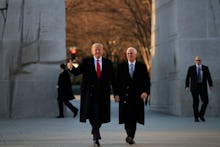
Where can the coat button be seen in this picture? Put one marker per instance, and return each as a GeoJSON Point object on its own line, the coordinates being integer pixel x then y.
{"type": "Point", "coordinates": [126, 94]}
{"type": "Point", "coordinates": [125, 102]}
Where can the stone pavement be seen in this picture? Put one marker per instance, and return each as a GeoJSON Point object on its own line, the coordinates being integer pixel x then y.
{"type": "Point", "coordinates": [160, 130]}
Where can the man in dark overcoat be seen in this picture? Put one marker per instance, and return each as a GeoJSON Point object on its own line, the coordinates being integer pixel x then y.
{"type": "Point", "coordinates": [133, 89]}
{"type": "Point", "coordinates": [97, 78]}
{"type": "Point", "coordinates": [65, 92]}
{"type": "Point", "coordinates": [197, 77]}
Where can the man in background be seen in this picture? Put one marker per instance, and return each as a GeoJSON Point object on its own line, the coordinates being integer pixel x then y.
{"type": "Point", "coordinates": [65, 93]}
{"type": "Point", "coordinates": [197, 77]}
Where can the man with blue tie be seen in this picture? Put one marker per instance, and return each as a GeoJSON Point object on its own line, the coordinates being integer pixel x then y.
{"type": "Point", "coordinates": [197, 77]}
{"type": "Point", "coordinates": [97, 79]}
{"type": "Point", "coordinates": [133, 84]}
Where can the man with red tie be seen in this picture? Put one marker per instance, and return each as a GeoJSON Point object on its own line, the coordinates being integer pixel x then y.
{"type": "Point", "coordinates": [197, 77]}
{"type": "Point", "coordinates": [97, 78]}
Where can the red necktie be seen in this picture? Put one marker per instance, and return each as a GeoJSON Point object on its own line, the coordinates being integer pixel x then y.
{"type": "Point", "coordinates": [98, 69]}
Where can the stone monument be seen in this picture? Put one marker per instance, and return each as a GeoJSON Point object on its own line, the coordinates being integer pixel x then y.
{"type": "Point", "coordinates": [32, 44]}
{"type": "Point", "coordinates": [182, 29]}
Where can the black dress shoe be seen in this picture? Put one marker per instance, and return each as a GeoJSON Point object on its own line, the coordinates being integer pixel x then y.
{"type": "Point", "coordinates": [129, 140]}
{"type": "Point", "coordinates": [96, 143]}
{"type": "Point", "coordinates": [196, 120]}
{"type": "Point", "coordinates": [202, 118]}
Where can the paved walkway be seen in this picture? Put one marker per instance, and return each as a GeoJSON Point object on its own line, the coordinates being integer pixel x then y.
{"type": "Point", "coordinates": [160, 130]}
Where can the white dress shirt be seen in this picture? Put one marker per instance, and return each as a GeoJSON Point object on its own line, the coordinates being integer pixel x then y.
{"type": "Point", "coordinates": [100, 62]}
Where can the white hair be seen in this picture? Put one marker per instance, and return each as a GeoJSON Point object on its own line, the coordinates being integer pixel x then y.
{"type": "Point", "coordinates": [132, 48]}
{"type": "Point", "coordinates": [97, 44]}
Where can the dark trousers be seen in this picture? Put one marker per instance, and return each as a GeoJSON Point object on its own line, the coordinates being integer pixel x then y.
{"type": "Point", "coordinates": [68, 104]}
{"type": "Point", "coordinates": [130, 130]}
{"type": "Point", "coordinates": [94, 119]}
{"type": "Point", "coordinates": [130, 125]}
{"type": "Point", "coordinates": [203, 94]}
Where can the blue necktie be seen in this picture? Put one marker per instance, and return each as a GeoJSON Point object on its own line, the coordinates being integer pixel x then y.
{"type": "Point", "coordinates": [131, 71]}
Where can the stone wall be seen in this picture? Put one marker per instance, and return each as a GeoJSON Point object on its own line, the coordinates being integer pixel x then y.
{"type": "Point", "coordinates": [182, 29]}
{"type": "Point", "coordinates": [32, 44]}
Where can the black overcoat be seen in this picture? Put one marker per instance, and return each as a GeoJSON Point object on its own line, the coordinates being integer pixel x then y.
{"type": "Point", "coordinates": [88, 87]}
{"type": "Point", "coordinates": [64, 86]}
{"type": "Point", "coordinates": [130, 90]}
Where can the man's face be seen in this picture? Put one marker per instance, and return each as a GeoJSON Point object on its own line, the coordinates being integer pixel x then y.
{"type": "Point", "coordinates": [97, 51]}
{"type": "Point", "coordinates": [131, 55]}
{"type": "Point", "coordinates": [198, 60]}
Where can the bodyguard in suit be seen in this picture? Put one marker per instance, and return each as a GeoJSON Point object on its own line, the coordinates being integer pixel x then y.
{"type": "Point", "coordinates": [97, 78]}
{"type": "Point", "coordinates": [65, 93]}
{"type": "Point", "coordinates": [133, 89]}
{"type": "Point", "coordinates": [197, 77]}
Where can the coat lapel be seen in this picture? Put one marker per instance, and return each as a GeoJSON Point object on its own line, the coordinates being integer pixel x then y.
{"type": "Point", "coordinates": [103, 67]}
{"type": "Point", "coordinates": [195, 70]}
{"type": "Point", "coordinates": [92, 66]}
{"type": "Point", "coordinates": [127, 71]}
{"type": "Point", "coordinates": [135, 69]}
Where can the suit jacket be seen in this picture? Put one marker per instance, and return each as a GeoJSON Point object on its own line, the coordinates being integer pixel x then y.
{"type": "Point", "coordinates": [64, 86]}
{"type": "Point", "coordinates": [191, 78]}
{"type": "Point", "coordinates": [89, 87]}
{"type": "Point", "coordinates": [130, 90]}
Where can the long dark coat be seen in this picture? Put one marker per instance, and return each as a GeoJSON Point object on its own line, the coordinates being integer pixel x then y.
{"type": "Point", "coordinates": [191, 78]}
{"type": "Point", "coordinates": [64, 86]}
{"type": "Point", "coordinates": [88, 87]}
{"type": "Point", "coordinates": [130, 90]}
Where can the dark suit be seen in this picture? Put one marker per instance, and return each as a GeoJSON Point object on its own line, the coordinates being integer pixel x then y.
{"type": "Point", "coordinates": [198, 88]}
{"type": "Point", "coordinates": [131, 106]}
{"type": "Point", "coordinates": [65, 92]}
{"type": "Point", "coordinates": [95, 93]}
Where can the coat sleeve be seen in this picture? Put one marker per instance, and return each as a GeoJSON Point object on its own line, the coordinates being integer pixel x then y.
{"type": "Point", "coordinates": [148, 84]}
{"type": "Point", "coordinates": [209, 78]}
{"type": "Point", "coordinates": [146, 78]}
{"type": "Point", "coordinates": [187, 78]}
{"type": "Point", "coordinates": [119, 79]}
{"type": "Point", "coordinates": [113, 80]}
{"type": "Point", "coordinates": [78, 70]}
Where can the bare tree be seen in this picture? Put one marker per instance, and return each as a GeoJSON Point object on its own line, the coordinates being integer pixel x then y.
{"type": "Point", "coordinates": [118, 24]}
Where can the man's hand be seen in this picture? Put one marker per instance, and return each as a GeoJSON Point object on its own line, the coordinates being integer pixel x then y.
{"type": "Point", "coordinates": [69, 65]}
{"type": "Point", "coordinates": [144, 95]}
{"type": "Point", "coordinates": [187, 89]}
